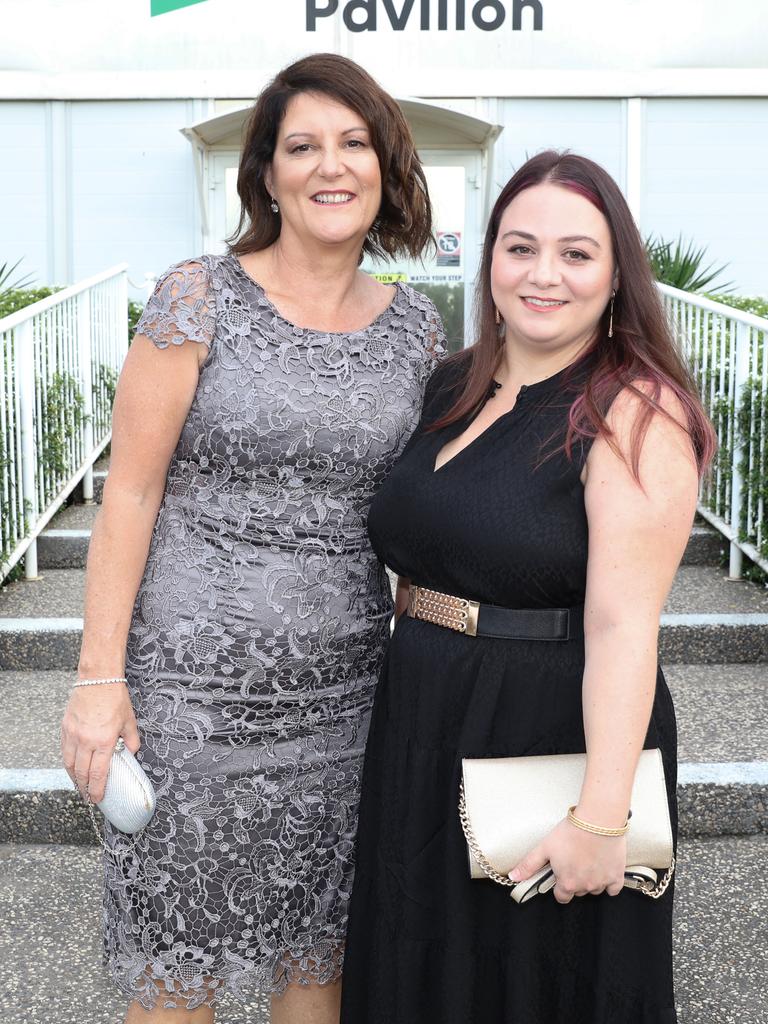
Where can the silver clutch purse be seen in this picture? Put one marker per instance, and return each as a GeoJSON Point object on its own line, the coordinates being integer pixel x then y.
{"type": "Point", "coordinates": [507, 805]}
{"type": "Point", "coordinates": [129, 798]}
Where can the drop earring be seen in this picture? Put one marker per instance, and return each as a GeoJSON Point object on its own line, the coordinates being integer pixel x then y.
{"type": "Point", "coordinates": [610, 324]}
{"type": "Point", "coordinates": [274, 206]}
{"type": "Point", "coordinates": [498, 317]}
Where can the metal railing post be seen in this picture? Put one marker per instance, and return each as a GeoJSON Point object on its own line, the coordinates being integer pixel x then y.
{"type": "Point", "coordinates": [741, 375]}
{"type": "Point", "coordinates": [25, 367]}
{"type": "Point", "coordinates": [122, 312]}
{"type": "Point", "coordinates": [86, 376]}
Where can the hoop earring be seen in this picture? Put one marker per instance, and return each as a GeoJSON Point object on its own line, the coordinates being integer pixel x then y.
{"type": "Point", "coordinates": [274, 206]}
{"type": "Point", "coordinates": [610, 324]}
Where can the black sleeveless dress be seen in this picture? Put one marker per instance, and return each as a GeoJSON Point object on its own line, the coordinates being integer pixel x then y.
{"type": "Point", "coordinates": [426, 945]}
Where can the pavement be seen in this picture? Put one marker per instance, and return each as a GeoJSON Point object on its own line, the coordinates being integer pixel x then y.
{"type": "Point", "coordinates": [50, 944]}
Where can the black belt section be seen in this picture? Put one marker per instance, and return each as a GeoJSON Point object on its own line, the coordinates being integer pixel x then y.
{"type": "Point", "coordinates": [557, 624]}
{"type": "Point", "coordinates": [530, 623]}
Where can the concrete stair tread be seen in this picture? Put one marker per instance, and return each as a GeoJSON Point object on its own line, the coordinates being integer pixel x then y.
{"type": "Point", "coordinates": [696, 590]}
{"type": "Point", "coordinates": [31, 707]}
{"type": "Point", "coordinates": [699, 589]}
{"type": "Point", "coordinates": [74, 517]}
{"type": "Point", "coordinates": [55, 974]}
{"type": "Point", "coordinates": [58, 593]}
{"type": "Point", "coordinates": [722, 714]}
{"type": "Point", "coordinates": [721, 710]}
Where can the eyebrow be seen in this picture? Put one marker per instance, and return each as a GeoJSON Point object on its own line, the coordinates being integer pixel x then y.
{"type": "Point", "coordinates": [566, 238]}
{"type": "Point", "coordinates": [311, 135]}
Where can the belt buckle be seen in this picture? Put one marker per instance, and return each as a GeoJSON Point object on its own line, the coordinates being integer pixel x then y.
{"type": "Point", "coordinates": [473, 612]}
{"type": "Point", "coordinates": [457, 613]}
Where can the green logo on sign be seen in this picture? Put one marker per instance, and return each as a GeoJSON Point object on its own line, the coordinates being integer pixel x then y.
{"type": "Point", "coordinates": [164, 6]}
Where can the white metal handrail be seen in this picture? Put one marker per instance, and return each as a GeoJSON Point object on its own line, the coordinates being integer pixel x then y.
{"type": "Point", "coordinates": [71, 346]}
{"type": "Point", "coordinates": [727, 351]}
{"type": "Point", "coordinates": [59, 362]}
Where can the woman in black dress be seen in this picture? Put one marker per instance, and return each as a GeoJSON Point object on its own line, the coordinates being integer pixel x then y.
{"type": "Point", "coordinates": [555, 466]}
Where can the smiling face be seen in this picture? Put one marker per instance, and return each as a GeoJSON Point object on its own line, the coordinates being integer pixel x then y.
{"type": "Point", "coordinates": [325, 173]}
{"type": "Point", "coordinates": [552, 272]}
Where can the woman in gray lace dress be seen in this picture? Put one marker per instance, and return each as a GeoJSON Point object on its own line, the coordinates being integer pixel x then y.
{"type": "Point", "coordinates": [266, 395]}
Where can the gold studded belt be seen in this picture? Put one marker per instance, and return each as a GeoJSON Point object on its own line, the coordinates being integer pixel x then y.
{"type": "Point", "coordinates": [475, 619]}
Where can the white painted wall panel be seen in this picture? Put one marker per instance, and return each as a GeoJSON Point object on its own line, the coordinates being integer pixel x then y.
{"type": "Point", "coordinates": [592, 128]}
{"type": "Point", "coordinates": [23, 196]}
{"type": "Point", "coordinates": [131, 191]}
{"type": "Point", "coordinates": [707, 177]}
{"type": "Point", "coordinates": [133, 186]}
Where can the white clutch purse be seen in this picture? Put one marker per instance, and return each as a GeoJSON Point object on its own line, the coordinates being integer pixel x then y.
{"type": "Point", "coordinates": [129, 799]}
{"type": "Point", "coordinates": [508, 805]}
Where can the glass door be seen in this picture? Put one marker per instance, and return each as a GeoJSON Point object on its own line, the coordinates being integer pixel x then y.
{"type": "Point", "coordinates": [223, 200]}
{"type": "Point", "coordinates": [447, 275]}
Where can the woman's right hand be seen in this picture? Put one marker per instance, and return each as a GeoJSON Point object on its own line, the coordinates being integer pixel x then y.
{"type": "Point", "coordinates": [95, 717]}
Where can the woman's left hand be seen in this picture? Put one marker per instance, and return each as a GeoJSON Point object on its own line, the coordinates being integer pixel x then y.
{"type": "Point", "coordinates": [581, 862]}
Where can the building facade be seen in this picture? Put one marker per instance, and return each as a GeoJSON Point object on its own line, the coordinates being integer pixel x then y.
{"type": "Point", "coordinates": [120, 128]}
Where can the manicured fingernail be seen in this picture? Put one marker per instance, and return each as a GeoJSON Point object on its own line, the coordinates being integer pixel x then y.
{"type": "Point", "coordinates": [515, 875]}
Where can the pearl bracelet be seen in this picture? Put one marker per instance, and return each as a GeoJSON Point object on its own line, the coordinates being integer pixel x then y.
{"type": "Point", "coordinates": [95, 682]}
{"type": "Point", "coordinates": [598, 830]}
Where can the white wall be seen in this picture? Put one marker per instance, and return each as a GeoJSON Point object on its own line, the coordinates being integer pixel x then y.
{"type": "Point", "coordinates": [706, 175]}
{"type": "Point", "coordinates": [592, 128]}
{"type": "Point", "coordinates": [23, 188]}
{"type": "Point", "coordinates": [133, 187]}
{"type": "Point", "coordinates": [84, 185]}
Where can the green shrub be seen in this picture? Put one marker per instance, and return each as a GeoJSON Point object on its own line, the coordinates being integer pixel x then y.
{"type": "Point", "coordinates": [135, 309]}
{"type": "Point", "coordinates": [15, 299]}
{"type": "Point", "coordinates": [747, 304]}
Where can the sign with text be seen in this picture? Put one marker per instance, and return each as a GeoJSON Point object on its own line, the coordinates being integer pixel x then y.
{"type": "Point", "coordinates": [414, 47]}
{"type": "Point", "coordinates": [428, 15]}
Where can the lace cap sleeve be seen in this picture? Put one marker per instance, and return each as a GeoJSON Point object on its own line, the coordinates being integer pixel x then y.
{"type": "Point", "coordinates": [181, 308]}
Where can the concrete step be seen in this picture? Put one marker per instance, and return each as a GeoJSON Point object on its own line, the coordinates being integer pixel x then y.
{"type": "Point", "coordinates": [100, 470]}
{"type": "Point", "coordinates": [705, 546]}
{"type": "Point", "coordinates": [721, 710]}
{"type": "Point", "coordinates": [41, 621]}
{"type": "Point", "coordinates": [64, 545]}
{"type": "Point", "coordinates": [707, 620]}
{"type": "Point", "coordinates": [51, 943]}
{"type": "Point", "coordinates": [722, 715]}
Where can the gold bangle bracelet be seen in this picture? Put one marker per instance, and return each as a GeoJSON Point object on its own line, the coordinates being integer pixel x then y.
{"type": "Point", "coordinates": [598, 830]}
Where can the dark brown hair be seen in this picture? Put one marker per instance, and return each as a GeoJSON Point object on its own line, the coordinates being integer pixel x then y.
{"type": "Point", "coordinates": [641, 349]}
{"type": "Point", "coordinates": [404, 221]}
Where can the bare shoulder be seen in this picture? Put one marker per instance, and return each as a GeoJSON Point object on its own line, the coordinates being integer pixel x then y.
{"type": "Point", "coordinates": [661, 430]}
{"type": "Point", "coordinates": [631, 402]}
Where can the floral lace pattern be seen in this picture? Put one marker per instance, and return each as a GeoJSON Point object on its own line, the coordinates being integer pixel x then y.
{"type": "Point", "coordinates": [257, 638]}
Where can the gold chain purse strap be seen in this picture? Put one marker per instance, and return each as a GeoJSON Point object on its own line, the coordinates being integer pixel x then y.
{"type": "Point", "coordinates": [474, 846]}
{"type": "Point", "coordinates": [646, 888]}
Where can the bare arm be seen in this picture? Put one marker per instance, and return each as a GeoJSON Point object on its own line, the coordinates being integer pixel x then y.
{"type": "Point", "coordinates": [636, 540]}
{"type": "Point", "coordinates": [637, 535]}
{"type": "Point", "coordinates": [154, 394]}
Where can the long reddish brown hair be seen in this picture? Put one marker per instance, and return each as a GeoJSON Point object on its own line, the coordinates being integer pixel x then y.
{"type": "Point", "coordinates": [641, 349]}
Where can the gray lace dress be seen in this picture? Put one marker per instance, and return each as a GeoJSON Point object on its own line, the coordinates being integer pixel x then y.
{"type": "Point", "coordinates": [257, 637]}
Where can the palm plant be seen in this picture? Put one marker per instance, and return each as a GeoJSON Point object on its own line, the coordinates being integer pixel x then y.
{"type": "Point", "coordinates": [6, 285]}
{"type": "Point", "coordinates": [681, 265]}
